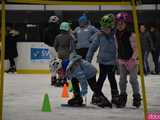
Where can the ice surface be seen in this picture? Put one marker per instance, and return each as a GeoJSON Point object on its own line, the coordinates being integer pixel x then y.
{"type": "Point", "coordinates": [24, 96]}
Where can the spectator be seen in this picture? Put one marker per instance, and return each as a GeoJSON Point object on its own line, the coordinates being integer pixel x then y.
{"type": "Point", "coordinates": [156, 43]}
{"type": "Point", "coordinates": [11, 47]}
{"type": "Point", "coordinates": [147, 46]}
{"type": "Point", "coordinates": [50, 32]}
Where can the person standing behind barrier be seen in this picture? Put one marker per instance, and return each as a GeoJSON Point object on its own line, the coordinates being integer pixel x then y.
{"type": "Point", "coordinates": [83, 34]}
{"type": "Point", "coordinates": [147, 46]}
{"type": "Point", "coordinates": [11, 47]}
{"type": "Point", "coordinates": [107, 55]}
{"type": "Point", "coordinates": [158, 48]}
{"type": "Point", "coordinates": [127, 59]}
{"type": "Point", "coordinates": [156, 43]}
{"type": "Point", "coordinates": [64, 45]}
{"type": "Point", "coordinates": [50, 32]}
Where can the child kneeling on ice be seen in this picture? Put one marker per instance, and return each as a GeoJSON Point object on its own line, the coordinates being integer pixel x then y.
{"type": "Point", "coordinates": [83, 72]}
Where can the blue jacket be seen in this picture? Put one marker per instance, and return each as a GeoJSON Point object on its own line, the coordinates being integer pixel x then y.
{"type": "Point", "coordinates": [83, 72]}
{"type": "Point", "coordinates": [107, 54]}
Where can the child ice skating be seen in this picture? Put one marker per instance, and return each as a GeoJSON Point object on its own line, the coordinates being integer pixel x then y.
{"type": "Point", "coordinates": [64, 45]}
{"type": "Point", "coordinates": [127, 58]}
{"type": "Point", "coordinates": [55, 65]}
{"type": "Point", "coordinates": [105, 41]}
{"type": "Point", "coordinates": [84, 72]}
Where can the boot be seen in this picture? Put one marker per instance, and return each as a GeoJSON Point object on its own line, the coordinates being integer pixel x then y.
{"type": "Point", "coordinates": [11, 70]}
{"type": "Point", "coordinates": [59, 83]}
{"type": "Point", "coordinates": [137, 100]}
{"type": "Point", "coordinates": [101, 101]}
{"type": "Point", "coordinates": [115, 97]}
{"type": "Point", "coordinates": [95, 99]}
{"type": "Point", "coordinates": [115, 100]}
{"type": "Point", "coordinates": [122, 100]}
{"type": "Point", "coordinates": [104, 102]}
{"type": "Point", "coordinates": [53, 80]}
{"type": "Point", "coordinates": [75, 101]}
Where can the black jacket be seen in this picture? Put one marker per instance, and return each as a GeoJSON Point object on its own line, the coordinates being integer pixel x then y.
{"type": "Point", "coordinates": [125, 50]}
{"type": "Point", "coordinates": [11, 44]}
{"type": "Point", "coordinates": [50, 33]}
{"type": "Point", "coordinates": [146, 42]}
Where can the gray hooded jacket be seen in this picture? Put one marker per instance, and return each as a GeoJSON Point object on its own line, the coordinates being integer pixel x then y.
{"type": "Point", "coordinates": [83, 36]}
{"type": "Point", "coordinates": [107, 54]}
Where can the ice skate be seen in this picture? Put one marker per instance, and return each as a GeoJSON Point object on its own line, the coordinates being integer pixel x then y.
{"type": "Point", "coordinates": [95, 99]}
{"type": "Point", "coordinates": [122, 100]}
{"type": "Point", "coordinates": [11, 70]}
{"type": "Point", "coordinates": [104, 102]}
{"type": "Point", "coordinates": [115, 100]}
{"type": "Point", "coordinates": [137, 100]}
{"type": "Point", "coordinates": [53, 80]}
{"type": "Point", "coordinates": [76, 101]}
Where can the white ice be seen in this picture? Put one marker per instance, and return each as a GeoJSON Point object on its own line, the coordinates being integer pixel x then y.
{"type": "Point", "coordinates": [23, 98]}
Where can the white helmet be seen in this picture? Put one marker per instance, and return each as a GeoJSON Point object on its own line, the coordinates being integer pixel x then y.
{"type": "Point", "coordinates": [55, 64]}
{"type": "Point", "coordinates": [53, 19]}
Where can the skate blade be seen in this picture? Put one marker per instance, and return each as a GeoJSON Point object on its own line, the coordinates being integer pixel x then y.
{"type": "Point", "coordinates": [67, 105]}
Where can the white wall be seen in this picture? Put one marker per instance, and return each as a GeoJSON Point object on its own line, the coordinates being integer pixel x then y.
{"type": "Point", "coordinates": [24, 62]}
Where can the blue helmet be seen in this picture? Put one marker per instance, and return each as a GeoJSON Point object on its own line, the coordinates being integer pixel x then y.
{"type": "Point", "coordinates": [83, 19]}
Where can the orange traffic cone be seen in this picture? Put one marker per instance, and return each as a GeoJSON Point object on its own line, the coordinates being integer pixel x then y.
{"type": "Point", "coordinates": [65, 91]}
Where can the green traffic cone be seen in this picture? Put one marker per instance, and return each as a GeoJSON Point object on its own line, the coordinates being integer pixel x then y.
{"type": "Point", "coordinates": [46, 104]}
{"type": "Point", "coordinates": [70, 87]}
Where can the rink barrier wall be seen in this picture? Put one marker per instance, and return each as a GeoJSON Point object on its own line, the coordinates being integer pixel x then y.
{"type": "Point", "coordinates": [23, 71]}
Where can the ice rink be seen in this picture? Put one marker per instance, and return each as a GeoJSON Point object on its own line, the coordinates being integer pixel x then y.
{"type": "Point", "coordinates": [23, 98]}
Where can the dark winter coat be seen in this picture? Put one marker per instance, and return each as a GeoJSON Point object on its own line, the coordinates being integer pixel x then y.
{"type": "Point", "coordinates": [146, 42]}
{"type": "Point", "coordinates": [11, 44]}
{"type": "Point", "coordinates": [50, 33]}
{"type": "Point", "coordinates": [157, 43]}
{"type": "Point", "coordinates": [125, 50]}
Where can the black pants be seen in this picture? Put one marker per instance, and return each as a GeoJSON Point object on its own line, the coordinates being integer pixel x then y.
{"type": "Point", "coordinates": [91, 82]}
{"type": "Point", "coordinates": [12, 62]}
{"type": "Point", "coordinates": [155, 55]}
{"type": "Point", "coordinates": [110, 71]}
{"type": "Point", "coordinates": [82, 52]}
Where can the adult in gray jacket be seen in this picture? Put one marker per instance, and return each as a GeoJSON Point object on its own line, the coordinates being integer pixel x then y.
{"type": "Point", "coordinates": [105, 40]}
{"type": "Point", "coordinates": [83, 34]}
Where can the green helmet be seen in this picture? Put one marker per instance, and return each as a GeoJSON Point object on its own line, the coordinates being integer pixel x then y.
{"type": "Point", "coordinates": [107, 21]}
{"type": "Point", "coordinates": [65, 26]}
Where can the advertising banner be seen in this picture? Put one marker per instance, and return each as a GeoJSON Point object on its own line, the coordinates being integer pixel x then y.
{"type": "Point", "coordinates": [40, 54]}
